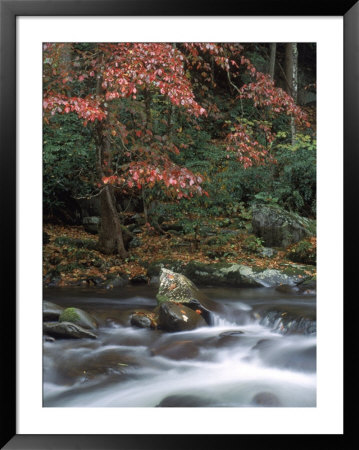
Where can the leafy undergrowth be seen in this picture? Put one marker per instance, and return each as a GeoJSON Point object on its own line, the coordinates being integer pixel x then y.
{"type": "Point", "coordinates": [71, 255]}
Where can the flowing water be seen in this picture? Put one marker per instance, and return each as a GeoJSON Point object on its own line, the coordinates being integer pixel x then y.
{"type": "Point", "coordinates": [260, 351]}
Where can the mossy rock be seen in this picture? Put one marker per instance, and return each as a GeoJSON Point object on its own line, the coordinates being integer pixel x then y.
{"type": "Point", "coordinates": [176, 287]}
{"type": "Point", "coordinates": [215, 274]}
{"type": "Point", "coordinates": [78, 317]}
{"type": "Point", "coordinates": [221, 274]}
{"type": "Point", "coordinates": [278, 227]}
{"type": "Point", "coordinates": [240, 275]}
{"type": "Point", "coordinates": [162, 298]}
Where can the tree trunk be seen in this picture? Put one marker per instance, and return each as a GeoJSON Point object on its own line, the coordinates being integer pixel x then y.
{"type": "Point", "coordinates": [294, 88]}
{"type": "Point", "coordinates": [295, 72]}
{"type": "Point", "coordinates": [110, 233]}
{"type": "Point", "coordinates": [65, 56]}
{"type": "Point", "coordinates": [273, 50]}
{"type": "Point", "coordinates": [288, 68]}
{"type": "Point", "coordinates": [291, 72]}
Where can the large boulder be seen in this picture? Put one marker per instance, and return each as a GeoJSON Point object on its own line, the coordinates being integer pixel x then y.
{"type": "Point", "coordinates": [66, 330]}
{"type": "Point", "coordinates": [278, 227]}
{"type": "Point", "coordinates": [176, 287]}
{"type": "Point", "coordinates": [176, 317]}
{"type": "Point", "coordinates": [217, 274]}
{"type": "Point", "coordinates": [240, 275]}
{"type": "Point", "coordinates": [78, 317]}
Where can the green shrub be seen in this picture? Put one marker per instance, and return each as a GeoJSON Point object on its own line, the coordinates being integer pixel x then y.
{"type": "Point", "coordinates": [252, 244]}
{"type": "Point", "coordinates": [304, 251]}
{"type": "Point", "coordinates": [68, 162]}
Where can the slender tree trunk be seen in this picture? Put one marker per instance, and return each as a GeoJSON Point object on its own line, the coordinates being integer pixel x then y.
{"type": "Point", "coordinates": [288, 68]}
{"type": "Point", "coordinates": [295, 73]}
{"type": "Point", "coordinates": [291, 71]}
{"type": "Point", "coordinates": [294, 88]}
{"type": "Point", "coordinates": [273, 51]}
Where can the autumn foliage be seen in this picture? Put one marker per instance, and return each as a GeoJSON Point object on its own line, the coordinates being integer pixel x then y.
{"type": "Point", "coordinates": [93, 81]}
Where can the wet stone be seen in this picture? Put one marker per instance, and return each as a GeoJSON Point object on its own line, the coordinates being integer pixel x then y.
{"type": "Point", "coordinates": [50, 311]}
{"type": "Point", "coordinates": [177, 350]}
{"type": "Point", "coordinates": [66, 330]}
{"type": "Point", "coordinates": [227, 338]}
{"type": "Point", "coordinates": [265, 399]}
{"type": "Point", "coordinates": [115, 283]}
{"type": "Point", "coordinates": [90, 365]}
{"type": "Point", "coordinates": [184, 401]}
{"type": "Point", "coordinates": [175, 317]}
{"type": "Point", "coordinates": [78, 317]}
{"type": "Point", "coordinates": [140, 321]}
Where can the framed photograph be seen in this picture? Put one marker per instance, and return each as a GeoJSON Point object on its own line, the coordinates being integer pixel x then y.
{"type": "Point", "coordinates": [173, 188]}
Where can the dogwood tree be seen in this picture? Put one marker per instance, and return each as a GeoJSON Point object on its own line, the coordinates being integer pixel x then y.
{"type": "Point", "coordinates": [111, 86]}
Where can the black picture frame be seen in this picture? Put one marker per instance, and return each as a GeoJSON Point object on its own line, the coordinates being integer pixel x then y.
{"type": "Point", "coordinates": [9, 10]}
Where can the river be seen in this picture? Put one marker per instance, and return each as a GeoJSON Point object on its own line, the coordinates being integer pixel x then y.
{"type": "Point", "coordinates": [260, 351]}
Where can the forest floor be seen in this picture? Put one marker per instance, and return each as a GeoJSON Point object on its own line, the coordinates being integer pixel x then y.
{"type": "Point", "coordinates": [71, 255]}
